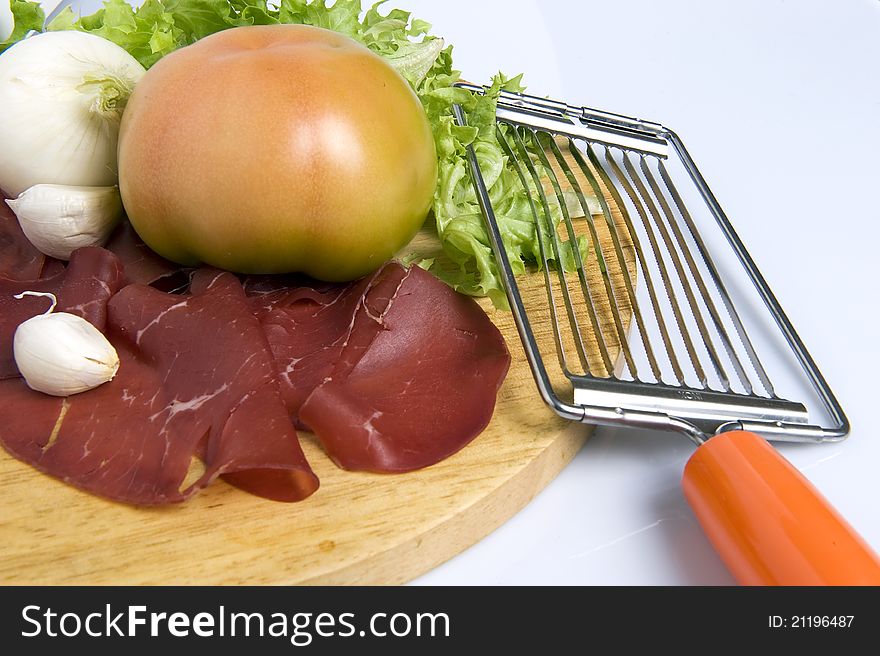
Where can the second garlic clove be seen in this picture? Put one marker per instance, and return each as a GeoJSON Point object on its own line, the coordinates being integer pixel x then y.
{"type": "Point", "coordinates": [58, 219]}
{"type": "Point", "coordinates": [62, 354]}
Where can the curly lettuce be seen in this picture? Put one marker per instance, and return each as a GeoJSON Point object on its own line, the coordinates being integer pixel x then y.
{"type": "Point", "coordinates": [26, 16]}
{"type": "Point", "coordinates": [158, 27]}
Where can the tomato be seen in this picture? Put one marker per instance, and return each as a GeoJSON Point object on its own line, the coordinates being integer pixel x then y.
{"type": "Point", "coordinates": [271, 149]}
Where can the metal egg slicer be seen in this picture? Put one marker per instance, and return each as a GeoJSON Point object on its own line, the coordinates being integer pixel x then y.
{"type": "Point", "coordinates": [655, 327]}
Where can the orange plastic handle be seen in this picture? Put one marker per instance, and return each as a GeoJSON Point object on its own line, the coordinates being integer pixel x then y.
{"type": "Point", "coordinates": [768, 523]}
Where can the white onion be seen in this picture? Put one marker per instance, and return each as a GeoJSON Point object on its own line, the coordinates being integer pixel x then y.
{"type": "Point", "coordinates": [62, 95]}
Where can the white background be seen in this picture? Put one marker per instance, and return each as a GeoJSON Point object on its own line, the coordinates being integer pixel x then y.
{"type": "Point", "coordinates": [779, 104]}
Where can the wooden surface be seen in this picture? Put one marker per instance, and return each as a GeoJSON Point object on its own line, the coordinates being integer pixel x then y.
{"type": "Point", "coordinates": [356, 529]}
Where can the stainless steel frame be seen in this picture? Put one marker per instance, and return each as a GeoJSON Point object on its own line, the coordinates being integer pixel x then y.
{"type": "Point", "coordinates": [633, 167]}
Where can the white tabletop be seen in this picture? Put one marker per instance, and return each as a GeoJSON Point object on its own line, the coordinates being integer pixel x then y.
{"type": "Point", "coordinates": [779, 104]}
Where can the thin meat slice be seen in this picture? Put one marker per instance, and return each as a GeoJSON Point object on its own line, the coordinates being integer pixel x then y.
{"type": "Point", "coordinates": [218, 369]}
{"type": "Point", "coordinates": [196, 379]}
{"type": "Point", "coordinates": [416, 377]}
{"type": "Point", "coordinates": [142, 265]}
{"type": "Point", "coordinates": [83, 288]}
{"type": "Point", "coordinates": [392, 372]}
{"type": "Point", "coordinates": [52, 267]}
{"type": "Point", "coordinates": [307, 327]}
{"type": "Point", "coordinates": [263, 284]}
{"type": "Point", "coordinates": [19, 259]}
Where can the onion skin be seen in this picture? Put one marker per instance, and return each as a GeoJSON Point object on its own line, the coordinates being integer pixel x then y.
{"type": "Point", "coordinates": [271, 149]}
{"type": "Point", "coordinates": [62, 96]}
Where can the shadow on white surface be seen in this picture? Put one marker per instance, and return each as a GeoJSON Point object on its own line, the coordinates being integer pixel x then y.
{"type": "Point", "coordinates": [615, 516]}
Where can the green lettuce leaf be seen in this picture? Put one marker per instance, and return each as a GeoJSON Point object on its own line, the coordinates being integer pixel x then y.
{"type": "Point", "coordinates": [26, 16]}
{"type": "Point", "coordinates": [457, 213]}
{"type": "Point", "coordinates": [159, 27]}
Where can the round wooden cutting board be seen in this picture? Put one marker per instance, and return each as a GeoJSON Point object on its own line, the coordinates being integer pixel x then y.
{"type": "Point", "coordinates": [356, 529]}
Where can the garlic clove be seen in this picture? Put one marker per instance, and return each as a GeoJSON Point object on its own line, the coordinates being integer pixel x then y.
{"type": "Point", "coordinates": [58, 219]}
{"type": "Point", "coordinates": [63, 354]}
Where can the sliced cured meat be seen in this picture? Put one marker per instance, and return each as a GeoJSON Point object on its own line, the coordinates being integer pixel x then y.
{"type": "Point", "coordinates": [219, 375]}
{"type": "Point", "coordinates": [52, 267]}
{"type": "Point", "coordinates": [19, 259]}
{"type": "Point", "coordinates": [262, 284]}
{"type": "Point", "coordinates": [307, 327]}
{"type": "Point", "coordinates": [83, 288]}
{"type": "Point", "coordinates": [196, 379]}
{"type": "Point", "coordinates": [142, 265]}
{"type": "Point", "coordinates": [393, 372]}
{"type": "Point", "coordinates": [415, 377]}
